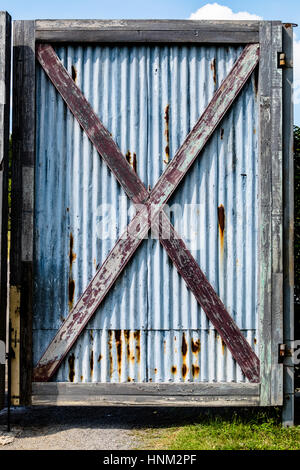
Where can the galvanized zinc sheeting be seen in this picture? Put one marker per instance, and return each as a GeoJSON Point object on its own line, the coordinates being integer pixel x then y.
{"type": "Point", "coordinates": [150, 327]}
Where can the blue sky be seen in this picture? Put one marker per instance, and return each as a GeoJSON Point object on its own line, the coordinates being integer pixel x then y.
{"type": "Point", "coordinates": [286, 11]}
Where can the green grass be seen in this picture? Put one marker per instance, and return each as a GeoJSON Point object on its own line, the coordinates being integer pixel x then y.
{"type": "Point", "coordinates": [236, 432]}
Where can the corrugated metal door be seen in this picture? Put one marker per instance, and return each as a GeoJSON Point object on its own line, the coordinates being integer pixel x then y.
{"type": "Point", "coordinates": [149, 328]}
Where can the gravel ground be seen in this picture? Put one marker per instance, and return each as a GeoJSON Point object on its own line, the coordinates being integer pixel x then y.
{"type": "Point", "coordinates": [83, 428]}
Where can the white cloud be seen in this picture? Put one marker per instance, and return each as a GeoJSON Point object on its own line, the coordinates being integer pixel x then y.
{"type": "Point", "coordinates": [214, 11]}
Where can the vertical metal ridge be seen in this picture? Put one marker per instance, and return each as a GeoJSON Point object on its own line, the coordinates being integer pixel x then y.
{"type": "Point", "coordinates": [130, 88]}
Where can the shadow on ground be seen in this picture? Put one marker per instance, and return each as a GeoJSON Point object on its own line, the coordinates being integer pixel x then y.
{"type": "Point", "coordinates": [130, 417]}
{"type": "Point", "coordinates": [71, 427]}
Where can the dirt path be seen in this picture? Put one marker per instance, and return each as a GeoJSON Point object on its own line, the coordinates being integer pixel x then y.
{"type": "Point", "coordinates": [86, 428]}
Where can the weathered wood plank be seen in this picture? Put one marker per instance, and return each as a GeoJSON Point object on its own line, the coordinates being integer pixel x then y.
{"type": "Point", "coordinates": [23, 192]}
{"type": "Point", "coordinates": [265, 212]}
{"type": "Point", "coordinates": [147, 25]}
{"type": "Point", "coordinates": [157, 37]}
{"type": "Point", "coordinates": [166, 389]}
{"type": "Point", "coordinates": [277, 217]}
{"type": "Point", "coordinates": [153, 31]}
{"type": "Point", "coordinates": [140, 400]}
{"type": "Point", "coordinates": [5, 59]}
{"type": "Point", "coordinates": [178, 252]}
{"type": "Point", "coordinates": [288, 225]}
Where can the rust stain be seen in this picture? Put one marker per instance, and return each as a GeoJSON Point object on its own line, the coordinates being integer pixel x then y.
{"type": "Point", "coordinates": [254, 131]}
{"type": "Point", "coordinates": [111, 365]}
{"type": "Point", "coordinates": [71, 292]}
{"type": "Point", "coordinates": [134, 162]}
{"type": "Point", "coordinates": [196, 346]}
{"type": "Point", "coordinates": [100, 357]}
{"type": "Point", "coordinates": [92, 362]}
{"type": "Point", "coordinates": [184, 370]}
{"type": "Point", "coordinates": [184, 349]}
{"type": "Point", "coordinates": [132, 159]}
{"type": "Point", "coordinates": [195, 370]}
{"type": "Point", "coordinates": [256, 81]}
{"type": "Point", "coordinates": [255, 340]}
{"type": "Point", "coordinates": [221, 220]}
{"type": "Point", "coordinates": [128, 157]}
{"type": "Point", "coordinates": [92, 335]}
{"type": "Point", "coordinates": [167, 134]}
{"type": "Point", "coordinates": [119, 351]}
{"type": "Point", "coordinates": [222, 134]}
{"type": "Point", "coordinates": [129, 379]}
{"type": "Point", "coordinates": [74, 73]}
{"type": "Point", "coordinates": [223, 346]}
{"type": "Point", "coordinates": [155, 370]}
{"type": "Point", "coordinates": [137, 337]}
{"type": "Point", "coordinates": [174, 369]}
{"type": "Point", "coordinates": [72, 257]}
{"type": "Point", "coordinates": [127, 342]}
{"type": "Point", "coordinates": [214, 70]}
{"type": "Point", "coordinates": [71, 361]}
{"type": "Point", "coordinates": [184, 345]}
{"type": "Point", "coordinates": [81, 378]}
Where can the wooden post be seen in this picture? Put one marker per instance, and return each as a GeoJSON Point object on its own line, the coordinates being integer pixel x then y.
{"type": "Point", "coordinates": [22, 208]}
{"type": "Point", "coordinates": [5, 54]}
{"type": "Point", "coordinates": [288, 226]}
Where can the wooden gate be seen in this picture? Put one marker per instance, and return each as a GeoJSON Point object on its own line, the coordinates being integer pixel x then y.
{"type": "Point", "coordinates": [256, 63]}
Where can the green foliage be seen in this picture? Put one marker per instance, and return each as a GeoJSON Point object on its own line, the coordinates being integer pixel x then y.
{"type": "Point", "coordinates": [231, 431]}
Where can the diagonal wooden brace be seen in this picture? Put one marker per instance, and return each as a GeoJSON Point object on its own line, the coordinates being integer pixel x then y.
{"type": "Point", "coordinates": [139, 226]}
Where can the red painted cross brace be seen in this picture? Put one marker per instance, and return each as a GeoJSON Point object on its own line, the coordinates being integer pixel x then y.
{"type": "Point", "coordinates": [149, 214]}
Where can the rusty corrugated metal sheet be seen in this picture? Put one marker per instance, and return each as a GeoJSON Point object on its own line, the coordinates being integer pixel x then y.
{"type": "Point", "coordinates": [149, 98]}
